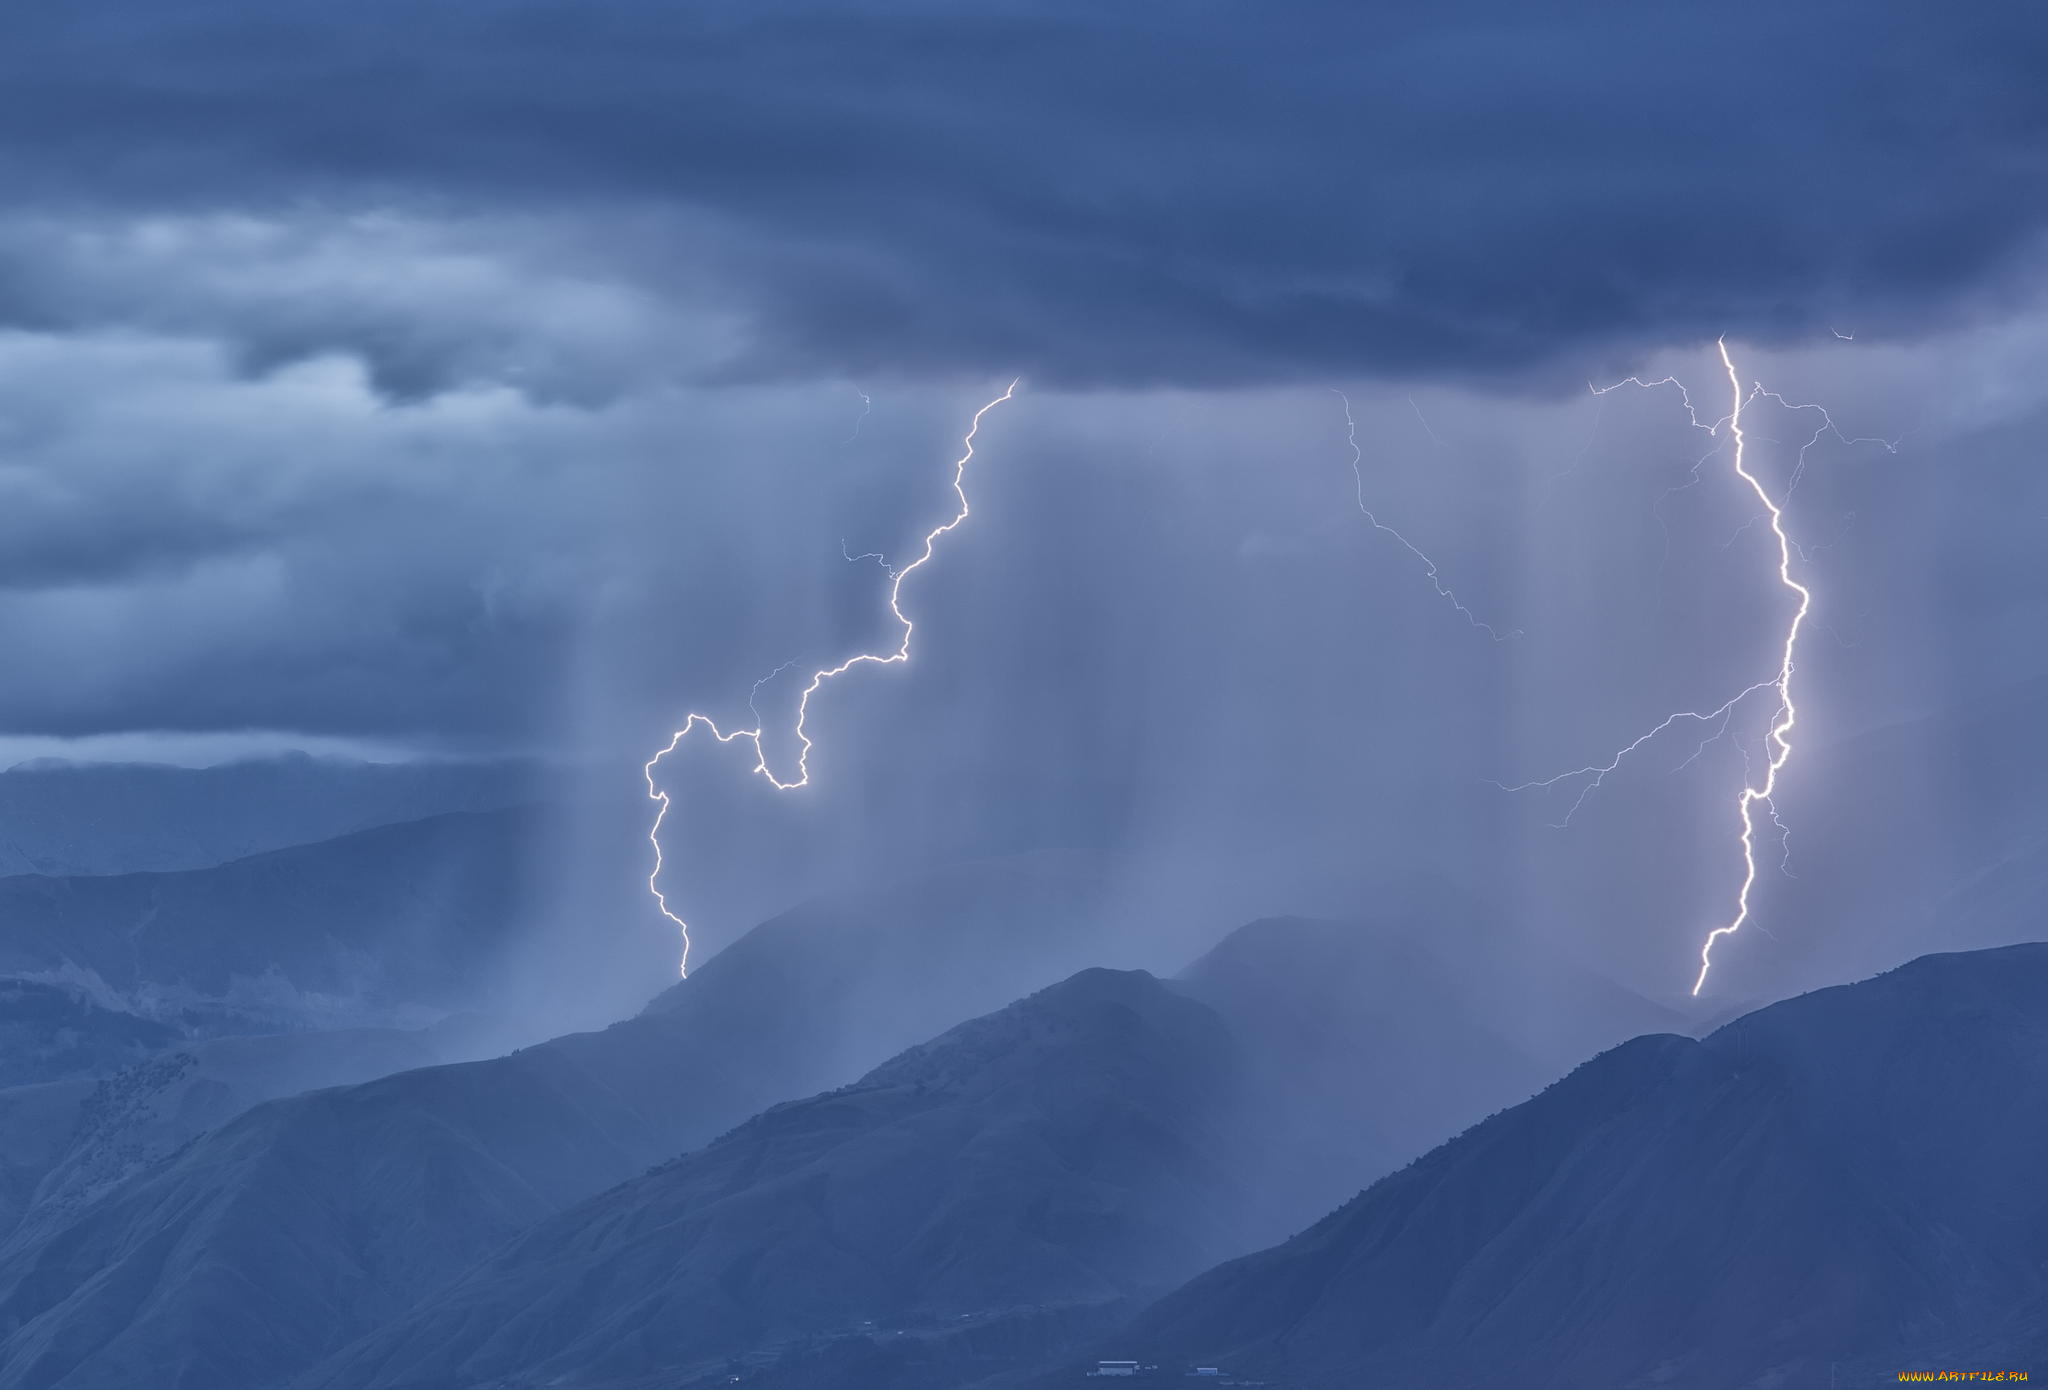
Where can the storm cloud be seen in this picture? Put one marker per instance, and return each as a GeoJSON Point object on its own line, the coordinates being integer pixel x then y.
{"type": "Point", "coordinates": [450, 378]}
{"type": "Point", "coordinates": [1148, 193]}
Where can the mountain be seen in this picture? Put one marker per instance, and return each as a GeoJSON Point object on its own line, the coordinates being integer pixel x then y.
{"type": "Point", "coordinates": [53, 1033]}
{"type": "Point", "coordinates": [1061, 1153]}
{"type": "Point", "coordinates": [1825, 1192]}
{"type": "Point", "coordinates": [36, 1125]}
{"type": "Point", "coordinates": [78, 1139]}
{"type": "Point", "coordinates": [1372, 1042]}
{"type": "Point", "coordinates": [402, 1183]}
{"type": "Point", "coordinates": [67, 819]}
{"type": "Point", "coordinates": [280, 1236]}
{"type": "Point", "coordinates": [386, 925]}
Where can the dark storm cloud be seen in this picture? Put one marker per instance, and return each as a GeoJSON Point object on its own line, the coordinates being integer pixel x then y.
{"type": "Point", "coordinates": [1190, 192]}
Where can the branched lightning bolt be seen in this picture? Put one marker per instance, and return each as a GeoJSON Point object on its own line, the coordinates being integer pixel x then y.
{"type": "Point", "coordinates": [1425, 422]}
{"type": "Point", "coordinates": [818, 679]}
{"type": "Point", "coordinates": [1597, 773]}
{"type": "Point", "coordinates": [877, 556]}
{"type": "Point", "coordinates": [1429, 569]}
{"type": "Point", "coordinates": [1785, 714]}
{"type": "Point", "coordinates": [1827, 427]}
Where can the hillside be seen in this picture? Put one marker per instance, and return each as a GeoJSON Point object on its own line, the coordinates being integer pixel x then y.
{"type": "Point", "coordinates": [52, 1033]}
{"type": "Point", "coordinates": [280, 1236]}
{"type": "Point", "coordinates": [1824, 1192]}
{"type": "Point", "coordinates": [1373, 1042]}
{"type": "Point", "coordinates": [1060, 1153]}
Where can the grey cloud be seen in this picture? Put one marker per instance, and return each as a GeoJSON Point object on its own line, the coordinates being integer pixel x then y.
{"type": "Point", "coordinates": [425, 306]}
{"type": "Point", "coordinates": [355, 384]}
{"type": "Point", "coordinates": [186, 548]}
{"type": "Point", "coordinates": [1156, 192]}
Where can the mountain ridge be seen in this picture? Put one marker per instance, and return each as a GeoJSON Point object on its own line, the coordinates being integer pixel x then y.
{"type": "Point", "coordinates": [796, 1005]}
{"type": "Point", "coordinates": [1056, 1152]}
{"type": "Point", "coordinates": [1775, 1202]}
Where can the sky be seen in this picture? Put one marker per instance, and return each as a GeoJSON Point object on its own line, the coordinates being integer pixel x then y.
{"type": "Point", "coordinates": [461, 379]}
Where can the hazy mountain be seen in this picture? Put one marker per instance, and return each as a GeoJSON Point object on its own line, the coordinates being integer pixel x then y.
{"type": "Point", "coordinates": [1372, 1042]}
{"type": "Point", "coordinates": [65, 819]}
{"type": "Point", "coordinates": [79, 1140]}
{"type": "Point", "coordinates": [54, 1033]}
{"type": "Point", "coordinates": [54, 1042]}
{"type": "Point", "coordinates": [394, 924]}
{"type": "Point", "coordinates": [279, 1237]}
{"type": "Point", "coordinates": [1824, 1192]}
{"type": "Point", "coordinates": [1063, 1152]}
{"type": "Point", "coordinates": [401, 1183]}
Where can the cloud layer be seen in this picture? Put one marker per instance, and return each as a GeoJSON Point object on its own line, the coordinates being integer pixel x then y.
{"type": "Point", "coordinates": [1151, 192]}
{"type": "Point", "coordinates": [481, 377]}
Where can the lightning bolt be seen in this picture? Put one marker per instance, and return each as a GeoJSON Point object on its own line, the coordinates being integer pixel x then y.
{"type": "Point", "coordinates": [1756, 791]}
{"type": "Point", "coordinates": [817, 682]}
{"type": "Point", "coordinates": [1443, 590]}
{"type": "Point", "coordinates": [1779, 739]}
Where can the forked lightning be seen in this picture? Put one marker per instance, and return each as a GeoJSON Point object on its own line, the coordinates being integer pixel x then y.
{"type": "Point", "coordinates": [817, 681]}
{"type": "Point", "coordinates": [1785, 713]}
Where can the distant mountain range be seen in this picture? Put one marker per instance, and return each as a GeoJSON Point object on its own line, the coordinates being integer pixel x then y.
{"type": "Point", "coordinates": [66, 819]}
{"type": "Point", "coordinates": [386, 925]}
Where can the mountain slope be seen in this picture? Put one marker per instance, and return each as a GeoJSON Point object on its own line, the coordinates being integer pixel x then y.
{"type": "Point", "coordinates": [89, 1137]}
{"type": "Point", "coordinates": [1373, 1042]}
{"type": "Point", "coordinates": [51, 1033]}
{"type": "Point", "coordinates": [1841, 1185]}
{"type": "Point", "coordinates": [1061, 1151]}
{"type": "Point", "coordinates": [279, 1237]}
{"type": "Point", "coordinates": [36, 1125]}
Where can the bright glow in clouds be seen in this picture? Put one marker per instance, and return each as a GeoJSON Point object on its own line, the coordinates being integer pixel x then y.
{"type": "Point", "coordinates": [818, 679]}
{"type": "Point", "coordinates": [1785, 714]}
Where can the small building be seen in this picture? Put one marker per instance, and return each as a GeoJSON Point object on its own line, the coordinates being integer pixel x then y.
{"type": "Point", "coordinates": [1115, 1368]}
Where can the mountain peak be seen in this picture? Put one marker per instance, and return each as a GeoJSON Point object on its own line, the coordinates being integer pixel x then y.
{"type": "Point", "coordinates": [1058, 1153]}
{"type": "Point", "coordinates": [1846, 1180]}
